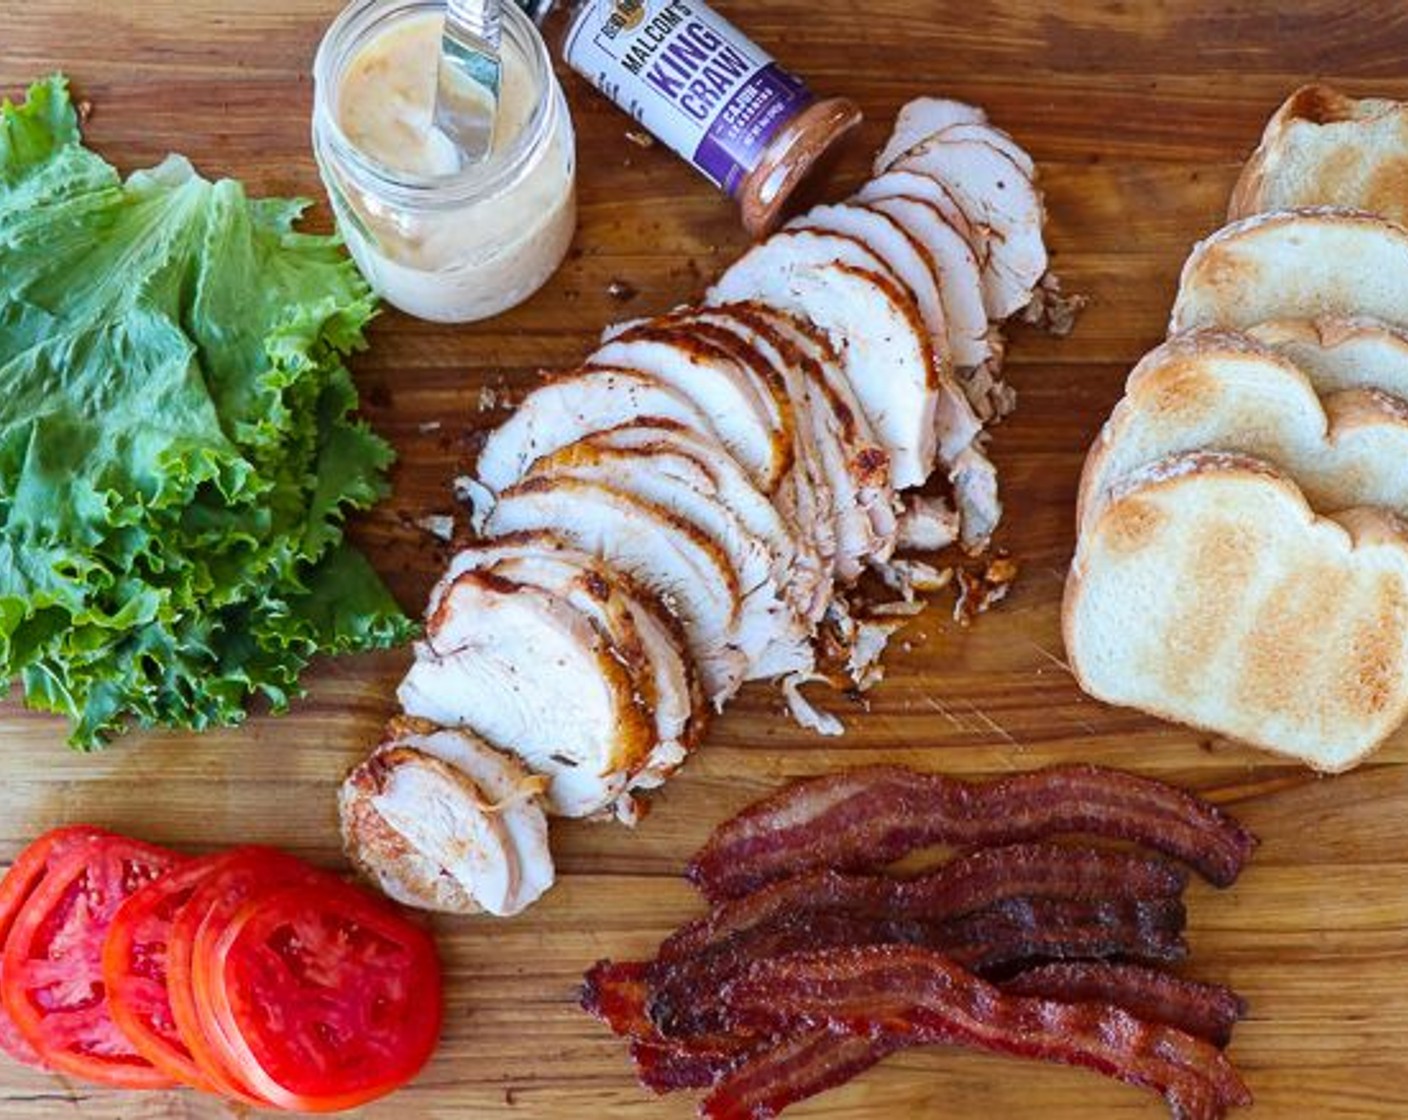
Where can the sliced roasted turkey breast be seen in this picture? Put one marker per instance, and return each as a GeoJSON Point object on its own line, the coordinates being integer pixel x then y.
{"type": "Point", "coordinates": [536, 677]}
{"type": "Point", "coordinates": [682, 564]}
{"type": "Point", "coordinates": [794, 563]}
{"type": "Point", "coordinates": [675, 481]}
{"type": "Point", "coordinates": [956, 271]}
{"type": "Point", "coordinates": [873, 324]}
{"type": "Point", "coordinates": [681, 713]}
{"type": "Point", "coordinates": [414, 826]}
{"type": "Point", "coordinates": [772, 633]}
{"type": "Point", "coordinates": [906, 258]}
{"type": "Point", "coordinates": [745, 415]}
{"type": "Point", "coordinates": [566, 408]}
{"type": "Point", "coordinates": [803, 499]}
{"type": "Point", "coordinates": [996, 193]}
{"type": "Point", "coordinates": [443, 821]}
{"type": "Point", "coordinates": [920, 119]}
{"type": "Point", "coordinates": [915, 184]}
{"type": "Point", "coordinates": [852, 466]}
{"type": "Point", "coordinates": [989, 133]}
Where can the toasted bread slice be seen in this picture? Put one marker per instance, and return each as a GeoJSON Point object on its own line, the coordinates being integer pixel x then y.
{"type": "Point", "coordinates": [1217, 391]}
{"type": "Point", "coordinates": [1322, 148]}
{"type": "Point", "coordinates": [1341, 352]}
{"type": "Point", "coordinates": [1295, 264]}
{"type": "Point", "coordinates": [1209, 593]}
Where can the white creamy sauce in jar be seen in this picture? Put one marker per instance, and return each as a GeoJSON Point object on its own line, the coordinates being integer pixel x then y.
{"type": "Point", "coordinates": [465, 244]}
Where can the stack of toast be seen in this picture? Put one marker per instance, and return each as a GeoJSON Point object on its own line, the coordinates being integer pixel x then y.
{"type": "Point", "coordinates": [1242, 554]}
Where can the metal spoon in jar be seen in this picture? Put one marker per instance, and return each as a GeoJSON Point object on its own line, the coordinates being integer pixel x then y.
{"type": "Point", "coordinates": [467, 96]}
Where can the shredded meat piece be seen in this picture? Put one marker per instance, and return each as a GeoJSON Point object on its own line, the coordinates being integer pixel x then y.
{"type": "Point", "coordinates": [979, 591]}
{"type": "Point", "coordinates": [1051, 310]}
{"type": "Point", "coordinates": [924, 997]}
{"type": "Point", "coordinates": [1206, 1011]}
{"type": "Point", "coordinates": [803, 711]}
{"type": "Point", "coordinates": [969, 883]}
{"type": "Point", "coordinates": [867, 818]}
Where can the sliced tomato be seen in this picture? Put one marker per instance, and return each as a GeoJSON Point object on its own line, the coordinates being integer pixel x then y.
{"type": "Point", "coordinates": [53, 973]}
{"type": "Point", "coordinates": [327, 997]}
{"type": "Point", "coordinates": [135, 972]}
{"type": "Point", "coordinates": [19, 883]}
{"type": "Point", "coordinates": [243, 874]}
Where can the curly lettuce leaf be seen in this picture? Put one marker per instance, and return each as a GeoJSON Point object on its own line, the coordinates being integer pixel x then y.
{"type": "Point", "coordinates": [178, 445]}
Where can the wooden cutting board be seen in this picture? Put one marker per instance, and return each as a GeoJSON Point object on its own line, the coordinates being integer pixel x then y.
{"type": "Point", "coordinates": [1138, 114]}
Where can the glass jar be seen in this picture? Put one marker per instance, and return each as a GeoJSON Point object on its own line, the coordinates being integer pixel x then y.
{"type": "Point", "coordinates": [442, 242]}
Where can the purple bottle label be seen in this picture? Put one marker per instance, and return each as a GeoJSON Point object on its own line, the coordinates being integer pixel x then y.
{"type": "Point", "coordinates": [690, 77]}
{"type": "Point", "coordinates": [746, 125]}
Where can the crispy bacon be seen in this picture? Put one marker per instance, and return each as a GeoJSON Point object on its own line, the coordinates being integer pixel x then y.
{"type": "Point", "coordinates": [1207, 1011]}
{"type": "Point", "coordinates": [922, 997]}
{"type": "Point", "coordinates": [668, 1067]}
{"type": "Point", "coordinates": [817, 1060]}
{"type": "Point", "coordinates": [686, 995]}
{"type": "Point", "coordinates": [616, 992]}
{"type": "Point", "coordinates": [793, 1070]}
{"type": "Point", "coordinates": [865, 819]}
{"type": "Point", "coordinates": [966, 884]}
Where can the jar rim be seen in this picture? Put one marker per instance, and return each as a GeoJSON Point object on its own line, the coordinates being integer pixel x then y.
{"type": "Point", "coordinates": [355, 26]}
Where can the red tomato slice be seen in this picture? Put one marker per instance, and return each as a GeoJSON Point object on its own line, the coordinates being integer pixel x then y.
{"type": "Point", "coordinates": [53, 972]}
{"type": "Point", "coordinates": [135, 971]}
{"type": "Point", "coordinates": [328, 997]}
{"type": "Point", "coordinates": [19, 883]}
{"type": "Point", "coordinates": [244, 873]}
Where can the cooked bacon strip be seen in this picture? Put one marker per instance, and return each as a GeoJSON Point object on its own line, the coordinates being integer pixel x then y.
{"type": "Point", "coordinates": [817, 1060]}
{"type": "Point", "coordinates": [617, 992]}
{"type": "Point", "coordinates": [865, 819]}
{"type": "Point", "coordinates": [793, 1070]}
{"type": "Point", "coordinates": [668, 1067]}
{"type": "Point", "coordinates": [1018, 931]}
{"type": "Point", "coordinates": [1207, 1011]}
{"type": "Point", "coordinates": [922, 996]}
{"type": "Point", "coordinates": [686, 995]}
{"type": "Point", "coordinates": [966, 884]}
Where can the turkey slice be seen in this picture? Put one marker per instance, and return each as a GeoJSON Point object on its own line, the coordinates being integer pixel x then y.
{"type": "Point", "coordinates": [681, 713]}
{"type": "Point", "coordinates": [874, 326]}
{"type": "Point", "coordinates": [678, 483]}
{"type": "Point", "coordinates": [686, 567]}
{"type": "Point", "coordinates": [570, 406]}
{"type": "Point", "coordinates": [957, 272]}
{"type": "Point", "coordinates": [920, 119]}
{"type": "Point", "coordinates": [803, 500]}
{"type": "Point", "coordinates": [996, 193]}
{"type": "Point", "coordinates": [746, 416]}
{"type": "Point", "coordinates": [915, 184]}
{"type": "Point", "coordinates": [897, 249]}
{"type": "Point", "coordinates": [991, 134]}
{"type": "Point", "coordinates": [853, 468]}
{"type": "Point", "coordinates": [534, 676]}
{"type": "Point", "coordinates": [794, 564]}
{"type": "Point", "coordinates": [418, 827]}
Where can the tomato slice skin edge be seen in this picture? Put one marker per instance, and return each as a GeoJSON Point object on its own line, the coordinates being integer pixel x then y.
{"type": "Point", "coordinates": [23, 877]}
{"type": "Point", "coordinates": [261, 917]}
{"type": "Point", "coordinates": [138, 917]}
{"type": "Point", "coordinates": [244, 872]}
{"type": "Point", "coordinates": [85, 886]}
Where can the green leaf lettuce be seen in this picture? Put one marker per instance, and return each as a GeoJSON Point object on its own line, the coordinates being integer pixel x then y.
{"type": "Point", "coordinates": [178, 447]}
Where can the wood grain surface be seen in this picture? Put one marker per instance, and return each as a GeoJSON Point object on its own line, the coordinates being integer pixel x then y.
{"type": "Point", "coordinates": [1138, 114]}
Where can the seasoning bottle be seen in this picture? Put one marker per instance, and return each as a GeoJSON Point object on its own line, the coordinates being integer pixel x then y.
{"type": "Point", "coordinates": [714, 97]}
